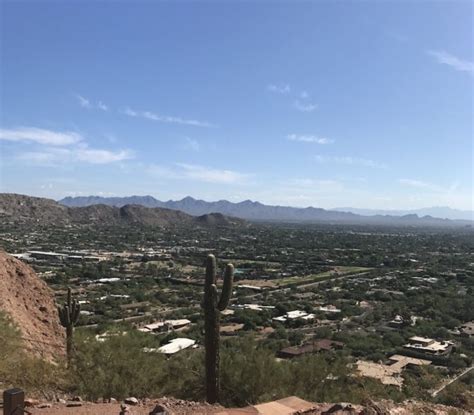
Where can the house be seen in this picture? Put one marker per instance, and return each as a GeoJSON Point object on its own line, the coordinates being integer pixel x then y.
{"type": "Point", "coordinates": [391, 373]}
{"type": "Point", "coordinates": [176, 345]}
{"type": "Point", "coordinates": [313, 347]}
{"type": "Point", "coordinates": [429, 346]}
{"type": "Point", "coordinates": [329, 309]}
{"type": "Point", "coordinates": [293, 315]}
{"type": "Point", "coordinates": [467, 329]}
{"type": "Point", "coordinates": [166, 325]}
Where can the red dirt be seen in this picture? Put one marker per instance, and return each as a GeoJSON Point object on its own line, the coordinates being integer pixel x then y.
{"type": "Point", "coordinates": [30, 303]}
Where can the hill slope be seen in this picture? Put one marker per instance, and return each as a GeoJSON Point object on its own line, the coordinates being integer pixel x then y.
{"type": "Point", "coordinates": [21, 209]}
{"type": "Point", "coordinates": [30, 303]}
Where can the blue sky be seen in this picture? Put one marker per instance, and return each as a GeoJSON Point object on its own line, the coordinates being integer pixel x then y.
{"type": "Point", "coordinates": [363, 104]}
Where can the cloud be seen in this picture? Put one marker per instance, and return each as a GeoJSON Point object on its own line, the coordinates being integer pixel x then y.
{"type": "Point", "coordinates": [304, 106]}
{"type": "Point", "coordinates": [60, 147]}
{"type": "Point", "coordinates": [83, 102]}
{"type": "Point", "coordinates": [456, 63]}
{"type": "Point", "coordinates": [191, 144]}
{"type": "Point", "coordinates": [40, 136]}
{"type": "Point", "coordinates": [86, 103]}
{"type": "Point", "coordinates": [210, 175]}
{"type": "Point", "coordinates": [165, 118]}
{"type": "Point", "coordinates": [419, 184]}
{"type": "Point", "coordinates": [350, 161]}
{"type": "Point", "coordinates": [98, 156]}
{"type": "Point", "coordinates": [309, 139]}
{"type": "Point", "coordinates": [318, 185]}
{"type": "Point", "coordinates": [279, 89]}
{"type": "Point", "coordinates": [102, 106]}
{"type": "Point", "coordinates": [55, 156]}
{"type": "Point", "coordinates": [193, 172]}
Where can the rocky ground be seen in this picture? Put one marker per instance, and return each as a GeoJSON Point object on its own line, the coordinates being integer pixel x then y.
{"type": "Point", "coordinates": [287, 406]}
{"type": "Point", "coordinates": [30, 303]}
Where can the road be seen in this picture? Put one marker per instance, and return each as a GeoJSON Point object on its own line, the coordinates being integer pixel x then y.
{"type": "Point", "coordinates": [445, 385]}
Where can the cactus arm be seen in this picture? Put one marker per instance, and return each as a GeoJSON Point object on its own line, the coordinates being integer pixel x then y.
{"type": "Point", "coordinates": [227, 287]}
{"type": "Point", "coordinates": [210, 270]}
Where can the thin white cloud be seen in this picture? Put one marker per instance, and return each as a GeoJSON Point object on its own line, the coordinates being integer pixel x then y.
{"type": "Point", "coordinates": [102, 106]}
{"type": "Point", "coordinates": [57, 156]}
{"type": "Point", "coordinates": [191, 144]}
{"type": "Point", "coordinates": [454, 62]}
{"type": "Point", "coordinates": [193, 172]}
{"type": "Point", "coordinates": [99, 156]}
{"type": "Point", "coordinates": [86, 103]}
{"type": "Point", "coordinates": [350, 161]}
{"type": "Point", "coordinates": [40, 136]}
{"type": "Point", "coordinates": [420, 184]}
{"type": "Point", "coordinates": [304, 106]}
{"type": "Point", "coordinates": [83, 102]}
{"type": "Point", "coordinates": [279, 89]}
{"type": "Point", "coordinates": [166, 118]}
{"type": "Point", "coordinates": [318, 185]}
{"type": "Point", "coordinates": [210, 175]}
{"type": "Point", "coordinates": [309, 139]}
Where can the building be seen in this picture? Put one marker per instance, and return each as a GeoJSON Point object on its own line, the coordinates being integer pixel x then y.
{"type": "Point", "coordinates": [429, 346]}
{"type": "Point", "coordinates": [176, 345]}
{"type": "Point", "coordinates": [166, 325]}
{"type": "Point", "coordinates": [467, 329]}
{"type": "Point", "coordinates": [391, 373]}
{"type": "Point", "coordinates": [308, 348]}
{"type": "Point", "coordinates": [293, 315]}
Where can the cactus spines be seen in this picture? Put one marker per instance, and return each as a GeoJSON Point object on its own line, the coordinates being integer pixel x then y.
{"type": "Point", "coordinates": [212, 307]}
{"type": "Point", "coordinates": [68, 316]}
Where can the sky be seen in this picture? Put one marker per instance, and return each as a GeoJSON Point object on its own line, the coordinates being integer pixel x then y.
{"type": "Point", "coordinates": [366, 104]}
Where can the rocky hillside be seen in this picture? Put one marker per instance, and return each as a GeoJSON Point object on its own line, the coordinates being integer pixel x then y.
{"type": "Point", "coordinates": [30, 303]}
{"type": "Point", "coordinates": [21, 209]}
{"type": "Point", "coordinates": [288, 406]}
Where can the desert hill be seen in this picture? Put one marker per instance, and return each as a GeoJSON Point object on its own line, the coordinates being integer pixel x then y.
{"type": "Point", "coordinates": [30, 304]}
{"type": "Point", "coordinates": [256, 211]}
{"type": "Point", "coordinates": [21, 209]}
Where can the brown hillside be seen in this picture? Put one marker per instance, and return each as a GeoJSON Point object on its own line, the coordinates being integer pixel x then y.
{"type": "Point", "coordinates": [30, 303]}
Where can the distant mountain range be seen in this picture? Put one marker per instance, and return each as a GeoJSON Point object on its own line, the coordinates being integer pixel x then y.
{"type": "Point", "coordinates": [442, 212]}
{"type": "Point", "coordinates": [257, 211]}
{"type": "Point", "coordinates": [21, 209]}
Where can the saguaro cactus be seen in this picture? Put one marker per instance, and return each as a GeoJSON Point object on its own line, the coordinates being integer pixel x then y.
{"type": "Point", "coordinates": [212, 307]}
{"type": "Point", "coordinates": [69, 315]}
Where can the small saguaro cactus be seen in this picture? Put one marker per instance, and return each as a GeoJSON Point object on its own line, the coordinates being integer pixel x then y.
{"type": "Point", "coordinates": [69, 315]}
{"type": "Point", "coordinates": [212, 307]}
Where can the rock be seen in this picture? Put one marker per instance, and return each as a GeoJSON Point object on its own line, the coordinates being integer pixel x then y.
{"type": "Point", "coordinates": [76, 399]}
{"type": "Point", "coordinates": [60, 400]}
{"type": "Point", "coordinates": [31, 402]}
{"type": "Point", "coordinates": [44, 405]}
{"type": "Point", "coordinates": [124, 410]}
{"type": "Point", "coordinates": [131, 401]}
{"type": "Point", "coordinates": [112, 400]}
{"type": "Point", "coordinates": [73, 404]}
{"type": "Point", "coordinates": [159, 410]}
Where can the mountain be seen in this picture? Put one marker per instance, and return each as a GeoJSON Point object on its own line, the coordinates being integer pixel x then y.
{"type": "Point", "coordinates": [257, 211]}
{"type": "Point", "coordinates": [29, 302]}
{"type": "Point", "coordinates": [442, 212]}
{"type": "Point", "coordinates": [29, 210]}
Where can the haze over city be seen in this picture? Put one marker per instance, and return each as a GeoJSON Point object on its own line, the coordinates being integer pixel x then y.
{"type": "Point", "coordinates": [366, 105]}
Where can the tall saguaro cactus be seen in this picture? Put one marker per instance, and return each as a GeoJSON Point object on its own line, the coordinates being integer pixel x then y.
{"type": "Point", "coordinates": [69, 315]}
{"type": "Point", "coordinates": [212, 307]}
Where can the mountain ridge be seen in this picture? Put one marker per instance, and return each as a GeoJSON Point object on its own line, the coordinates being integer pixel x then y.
{"type": "Point", "coordinates": [253, 210]}
{"type": "Point", "coordinates": [15, 208]}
